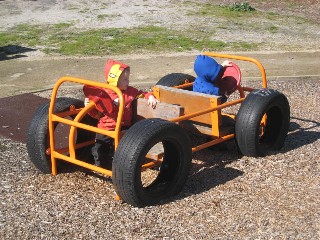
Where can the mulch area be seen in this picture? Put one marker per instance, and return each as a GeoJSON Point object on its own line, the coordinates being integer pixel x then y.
{"type": "Point", "coordinates": [16, 113]}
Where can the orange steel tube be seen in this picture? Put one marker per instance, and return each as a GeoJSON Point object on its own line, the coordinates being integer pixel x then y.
{"type": "Point", "coordinates": [68, 113]}
{"type": "Point", "coordinates": [82, 164]}
{"type": "Point", "coordinates": [52, 118]}
{"type": "Point", "coordinates": [83, 126]}
{"type": "Point", "coordinates": [242, 58]}
{"type": "Point", "coordinates": [185, 85]}
{"type": "Point", "coordinates": [213, 142]}
{"type": "Point", "coordinates": [72, 134]}
{"type": "Point", "coordinates": [191, 115]}
{"type": "Point", "coordinates": [151, 164]}
{"type": "Point", "coordinates": [229, 115]}
{"type": "Point", "coordinates": [247, 89]}
{"type": "Point", "coordinates": [66, 149]}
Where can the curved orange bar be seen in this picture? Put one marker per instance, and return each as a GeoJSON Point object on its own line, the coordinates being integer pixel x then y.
{"type": "Point", "coordinates": [242, 58]}
{"type": "Point", "coordinates": [76, 122]}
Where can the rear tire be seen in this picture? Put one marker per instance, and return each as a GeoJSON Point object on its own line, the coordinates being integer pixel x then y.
{"type": "Point", "coordinates": [38, 133]}
{"type": "Point", "coordinates": [170, 174]}
{"type": "Point", "coordinates": [253, 139]}
{"type": "Point", "coordinates": [176, 79]}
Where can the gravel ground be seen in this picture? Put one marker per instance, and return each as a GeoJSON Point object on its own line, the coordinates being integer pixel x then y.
{"type": "Point", "coordinates": [227, 196]}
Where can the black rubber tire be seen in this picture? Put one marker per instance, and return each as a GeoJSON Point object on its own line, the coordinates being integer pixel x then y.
{"type": "Point", "coordinates": [130, 155]}
{"type": "Point", "coordinates": [247, 129]}
{"type": "Point", "coordinates": [38, 133]}
{"type": "Point", "coordinates": [175, 79]}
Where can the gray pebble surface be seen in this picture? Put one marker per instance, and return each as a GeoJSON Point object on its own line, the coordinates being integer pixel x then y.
{"type": "Point", "coordinates": [227, 196]}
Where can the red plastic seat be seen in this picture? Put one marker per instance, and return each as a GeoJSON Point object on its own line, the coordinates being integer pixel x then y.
{"type": "Point", "coordinates": [230, 80]}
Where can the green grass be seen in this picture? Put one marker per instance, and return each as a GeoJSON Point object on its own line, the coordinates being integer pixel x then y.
{"type": "Point", "coordinates": [241, 7]}
{"type": "Point", "coordinates": [62, 39]}
{"type": "Point", "coordinates": [273, 29]}
{"type": "Point", "coordinates": [3, 147]}
{"type": "Point", "coordinates": [237, 10]}
{"type": "Point", "coordinates": [242, 16]}
{"type": "Point", "coordinates": [209, 21]}
{"type": "Point", "coordinates": [102, 16]}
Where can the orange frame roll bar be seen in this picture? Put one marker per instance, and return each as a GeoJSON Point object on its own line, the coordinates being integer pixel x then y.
{"type": "Point", "coordinates": [116, 134]}
{"type": "Point", "coordinates": [228, 104]}
{"type": "Point", "coordinates": [242, 58]}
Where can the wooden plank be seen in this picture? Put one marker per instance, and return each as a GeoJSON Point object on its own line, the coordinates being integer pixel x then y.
{"type": "Point", "coordinates": [142, 110]}
{"type": "Point", "coordinates": [191, 102]}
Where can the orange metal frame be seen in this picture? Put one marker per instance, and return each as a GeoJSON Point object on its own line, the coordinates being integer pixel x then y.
{"type": "Point", "coordinates": [242, 90]}
{"type": "Point", "coordinates": [76, 123]}
{"type": "Point", "coordinates": [116, 134]}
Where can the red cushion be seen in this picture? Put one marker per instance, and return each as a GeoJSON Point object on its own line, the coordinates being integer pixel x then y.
{"type": "Point", "coordinates": [230, 80]}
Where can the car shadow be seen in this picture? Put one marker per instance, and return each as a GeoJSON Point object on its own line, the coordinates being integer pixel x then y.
{"type": "Point", "coordinates": [299, 136]}
{"type": "Point", "coordinates": [213, 170]}
{"type": "Point", "coordinates": [209, 169]}
{"type": "Point", "coordinates": [10, 52]}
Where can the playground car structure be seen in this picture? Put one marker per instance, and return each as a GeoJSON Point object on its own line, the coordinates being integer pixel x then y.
{"type": "Point", "coordinates": [152, 158]}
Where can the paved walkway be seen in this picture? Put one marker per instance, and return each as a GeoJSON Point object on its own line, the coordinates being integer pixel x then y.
{"type": "Point", "coordinates": [24, 75]}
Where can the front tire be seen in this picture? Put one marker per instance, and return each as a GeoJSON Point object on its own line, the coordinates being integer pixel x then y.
{"type": "Point", "coordinates": [252, 138]}
{"type": "Point", "coordinates": [168, 177]}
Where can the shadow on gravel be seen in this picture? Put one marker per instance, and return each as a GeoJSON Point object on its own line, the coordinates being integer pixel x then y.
{"type": "Point", "coordinates": [214, 171]}
{"type": "Point", "coordinates": [13, 51]}
{"type": "Point", "coordinates": [210, 169]}
{"type": "Point", "coordinates": [299, 136]}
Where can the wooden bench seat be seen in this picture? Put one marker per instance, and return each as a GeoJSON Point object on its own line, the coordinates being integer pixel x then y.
{"type": "Point", "coordinates": [178, 102]}
{"type": "Point", "coordinates": [191, 102]}
{"type": "Point", "coordinates": [141, 110]}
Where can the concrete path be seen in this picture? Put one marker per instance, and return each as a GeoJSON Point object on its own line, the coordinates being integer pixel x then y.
{"type": "Point", "coordinates": [23, 75]}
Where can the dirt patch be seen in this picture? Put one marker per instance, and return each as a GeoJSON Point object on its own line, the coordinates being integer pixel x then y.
{"type": "Point", "coordinates": [128, 14]}
{"type": "Point", "coordinates": [288, 32]}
